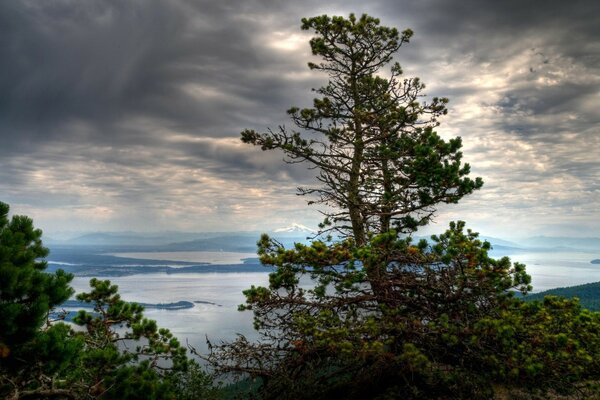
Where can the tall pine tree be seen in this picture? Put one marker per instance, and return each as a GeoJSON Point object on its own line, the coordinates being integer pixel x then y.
{"type": "Point", "coordinates": [370, 314]}
{"type": "Point", "coordinates": [380, 163]}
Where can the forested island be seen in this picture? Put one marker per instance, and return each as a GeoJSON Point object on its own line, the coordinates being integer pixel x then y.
{"type": "Point", "coordinates": [179, 305]}
{"type": "Point", "coordinates": [62, 312]}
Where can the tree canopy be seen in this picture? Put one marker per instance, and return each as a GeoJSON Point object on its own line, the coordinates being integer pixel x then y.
{"type": "Point", "coordinates": [26, 292]}
{"type": "Point", "coordinates": [369, 313]}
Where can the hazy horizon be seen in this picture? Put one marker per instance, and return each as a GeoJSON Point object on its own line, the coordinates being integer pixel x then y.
{"type": "Point", "coordinates": [184, 236]}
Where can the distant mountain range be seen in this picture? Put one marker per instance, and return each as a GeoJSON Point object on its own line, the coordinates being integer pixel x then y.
{"type": "Point", "coordinates": [558, 243]}
{"type": "Point", "coordinates": [140, 238]}
{"type": "Point", "coordinates": [168, 241]}
{"type": "Point", "coordinates": [235, 243]}
{"type": "Point", "coordinates": [246, 241]}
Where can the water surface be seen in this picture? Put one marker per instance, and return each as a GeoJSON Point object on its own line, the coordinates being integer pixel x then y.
{"type": "Point", "coordinates": [222, 321]}
{"type": "Point", "coordinates": [218, 321]}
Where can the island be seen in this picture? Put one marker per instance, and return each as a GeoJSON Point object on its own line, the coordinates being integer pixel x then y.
{"type": "Point", "coordinates": [161, 306]}
{"type": "Point", "coordinates": [207, 302]}
{"type": "Point", "coordinates": [596, 261]}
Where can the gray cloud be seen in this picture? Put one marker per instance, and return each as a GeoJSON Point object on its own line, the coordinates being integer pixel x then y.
{"type": "Point", "coordinates": [105, 62]}
{"type": "Point", "coordinates": [126, 114]}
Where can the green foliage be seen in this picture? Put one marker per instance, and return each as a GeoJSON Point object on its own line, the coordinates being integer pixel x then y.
{"type": "Point", "coordinates": [28, 347]}
{"type": "Point", "coordinates": [118, 354]}
{"type": "Point", "coordinates": [549, 345]}
{"type": "Point", "coordinates": [128, 357]}
{"type": "Point", "coordinates": [445, 320]}
{"type": "Point", "coordinates": [587, 294]}
{"type": "Point", "coordinates": [342, 339]}
{"type": "Point", "coordinates": [26, 292]}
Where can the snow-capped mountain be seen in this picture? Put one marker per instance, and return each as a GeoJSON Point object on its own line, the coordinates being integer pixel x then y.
{"type": "Point", "coordinates": [295, 228]}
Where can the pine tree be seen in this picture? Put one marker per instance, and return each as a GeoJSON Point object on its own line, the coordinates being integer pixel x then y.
{"type": "Point", "coordinates": [119, 355]}
{"type": "Point", "coordinates": [380, 163]}
{"type": "Point", "coordinates": [27, 293]}
{"type": "Point", "coordinates": [29, 347]}
{"type": "Point", "coordinates": [370, 314]}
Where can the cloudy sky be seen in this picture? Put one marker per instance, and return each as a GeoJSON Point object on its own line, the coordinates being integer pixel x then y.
{"type": "Point", "coordinates": [125, 114]}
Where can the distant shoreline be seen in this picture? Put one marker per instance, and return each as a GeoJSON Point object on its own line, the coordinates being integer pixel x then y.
{"type": "Point", "coordinates": [198, 257]}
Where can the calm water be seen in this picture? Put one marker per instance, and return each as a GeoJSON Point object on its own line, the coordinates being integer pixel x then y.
{"type": "Point", "coordinates": [552, 270]}
{"type": "Point", "coordinates": [222, 321]}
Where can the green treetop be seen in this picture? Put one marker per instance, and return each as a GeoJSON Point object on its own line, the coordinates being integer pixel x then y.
{"type": "Point", "coordinates": [27, 293]}
{"type": "Point", "coordinates": [379, 161]}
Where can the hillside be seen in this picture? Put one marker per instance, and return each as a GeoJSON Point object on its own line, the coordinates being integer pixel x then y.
{"type": "Point", "coordinates": [588, 294]}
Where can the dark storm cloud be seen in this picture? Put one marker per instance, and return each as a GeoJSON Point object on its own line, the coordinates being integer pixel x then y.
{"type": "Point", "coordinates": [483, 25]}
{"type": "Point", "coordinates": [109, 73]}
{"type": "Point", "coordinates": [104, 62]}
